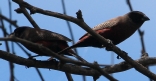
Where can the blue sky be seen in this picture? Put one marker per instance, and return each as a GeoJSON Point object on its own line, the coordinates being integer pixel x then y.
{"type": "Point", "coordinates": [94, 12]}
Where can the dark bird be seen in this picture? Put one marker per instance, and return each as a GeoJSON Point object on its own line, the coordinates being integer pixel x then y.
{"type": "Point", "coordinates": [117, 30]}
{"type": "Point", "coordinates": [53, 41]}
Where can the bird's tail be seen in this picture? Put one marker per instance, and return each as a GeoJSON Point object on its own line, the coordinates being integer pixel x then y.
{"type": "Point", "coordinates": [71, 52]}
{"type": "Point", "coordinates": [68, 48]}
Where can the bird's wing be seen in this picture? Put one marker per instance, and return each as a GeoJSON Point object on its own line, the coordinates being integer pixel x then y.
{"type": "Point", "coordinates": [105, 25]}
{"type": "Point", "coordinates": [49, 35]}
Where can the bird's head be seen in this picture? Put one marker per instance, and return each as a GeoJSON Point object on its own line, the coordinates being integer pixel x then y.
{"type": "Point", "coordinates": [138, 17]}
{"type": "Point", "coordinates": [18, 32]}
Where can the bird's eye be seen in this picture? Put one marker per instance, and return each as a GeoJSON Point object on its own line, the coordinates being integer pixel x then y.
{"type": "Point", "coordinates": [139, 17]}
{"type": "Point", "coordinates": [136, 17]}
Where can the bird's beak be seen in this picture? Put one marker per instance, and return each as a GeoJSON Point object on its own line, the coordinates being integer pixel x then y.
{"type": "Point", "coordinates": [145, 18]}
{"type": "Point", "coordinates": [11, 35]}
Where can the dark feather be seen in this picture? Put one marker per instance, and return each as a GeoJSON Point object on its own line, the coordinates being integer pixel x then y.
{"type": "Point", "coordinates": [33, 34]}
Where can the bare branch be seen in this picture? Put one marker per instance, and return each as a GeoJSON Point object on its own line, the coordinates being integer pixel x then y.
{"type": "Point", "coordinates": [72, 37]}
{"type": "Point", "coordinates": [129, 4]}
{"type": "Point", "coordinates": [70, 68]}
{"type": "Point", "coordinates": [11, 65]}
{"type": "Point", "coordinates": [24, 11]}
{"type": "Point", "coordinates": [48, 13]}
{"type": "Point", "coordinates": [9, 21]}
{"type": "Point", "coordinates": [50, 53]}
{"type": "Point", "coordinates": [141, 34]}
{"type": "Point", "coordinates": [69, 77]}
{"type": "Point", "coordinates": [74, 69]}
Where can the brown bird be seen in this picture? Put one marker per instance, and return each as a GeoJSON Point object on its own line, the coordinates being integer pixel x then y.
{"type": "Point", "coordinates": [117, 30]}
{"type": "Point", "coordinates": [53, 41]}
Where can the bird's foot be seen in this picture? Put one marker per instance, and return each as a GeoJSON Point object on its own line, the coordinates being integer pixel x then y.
{"type": "Point", "coordinates": [54, 62]}
{"type": "Point", "coordinates": [125, 55]}
{"type": "Point", "coordinates": [118, 57]}
{"type": "Point", "coordinates": [109, 45]}
{"type": "Point", "coordinates": [57, 63]}
{"type": "Point", "coordinates": [144, 55]}
{"type": "Point", "coordinates": [60, 64]}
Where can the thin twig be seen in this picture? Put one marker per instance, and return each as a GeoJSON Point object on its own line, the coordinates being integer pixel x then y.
{"type": "Point", "coordinates": [12, 45]}
{"type": "Point", "coordinates": [8, 50]}
{"type": "Point", "coordinates": [14, 23]}
{"type": "Point", "coordinates": [141, 34]}
{"type": "Point", "coordinates": [69, 77]}
{"type": "Point", "coordinates": [24, 11]}
{"type": "Point", "coordinates": [28, 54]}
{"type": "Point", "coordinates": [68, 24]}
{"type": "Point", "coordinates": [72, 37]}
{"type": "Point", "coordinates": [10, 25]}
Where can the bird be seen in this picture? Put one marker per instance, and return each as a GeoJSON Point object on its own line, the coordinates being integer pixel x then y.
{"type": "Point", "coordinates": [116, 30]}
{"type": "Point", "coordinates": [53, 41]}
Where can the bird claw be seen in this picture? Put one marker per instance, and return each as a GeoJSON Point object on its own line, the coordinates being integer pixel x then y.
{"type": "Point", "coordinates": [95, 77]}
{"type": "Point", "coordinates": [27, 67]}
{"type": "Point", "coordinates": [108, 46]}
{"type": "Point", "coordinates": [144, 55]}
{"type": "Point", "coordinates": [108, 49]}
{"type": "Point", "coordinates": [109, 41]}
{"type": "Point", "coordinates": [118, 57]}
{"type": "Point", "coordinates": [54, 61]}
{"type": "Point", "coordinates": [58, 64]}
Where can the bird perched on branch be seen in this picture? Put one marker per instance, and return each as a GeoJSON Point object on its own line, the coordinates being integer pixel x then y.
{"type": "Point", "coordinates": [117, 30]}
{"type": "Point", "coordinates": [53, 41]}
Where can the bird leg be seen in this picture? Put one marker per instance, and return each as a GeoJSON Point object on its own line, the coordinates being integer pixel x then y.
{"type": "Point", "coordinates": [108, 46]}
{"type": "Point", "coordinates": [118, 57]}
